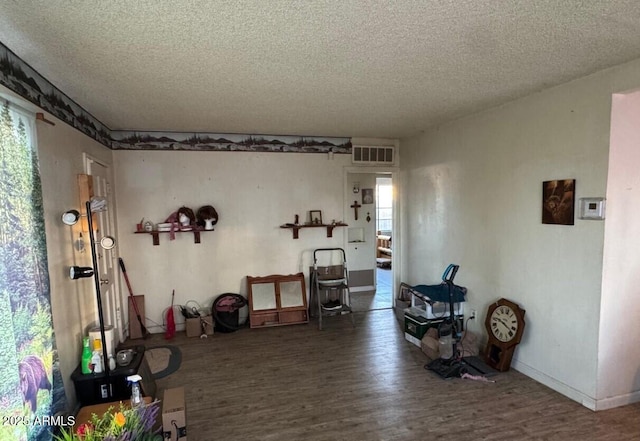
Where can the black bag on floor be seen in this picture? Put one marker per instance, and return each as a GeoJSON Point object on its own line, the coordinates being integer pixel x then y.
{"type": "Point", "coordinates": [226, 312]}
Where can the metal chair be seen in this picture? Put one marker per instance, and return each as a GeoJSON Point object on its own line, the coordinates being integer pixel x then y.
{"type": "Point", "coordinates": [331, 286]}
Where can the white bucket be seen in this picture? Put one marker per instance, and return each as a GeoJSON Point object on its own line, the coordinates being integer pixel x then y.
{"type": "Point", "coordinates": [109, 334]}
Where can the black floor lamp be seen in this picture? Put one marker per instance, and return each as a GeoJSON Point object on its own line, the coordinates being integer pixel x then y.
{"type": "Point", "coordinates": [76, 272]}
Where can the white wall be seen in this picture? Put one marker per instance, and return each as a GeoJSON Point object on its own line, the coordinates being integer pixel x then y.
{"type": "Point", "coordinates": [73, 303]}
{"type": "Point", "coordinates": [472, 195]}
{"type": "Point", "coordinates": [361, 256]}
{"type": "Point", "coordinates": [619, 359]}
{"type": "Point", "coordinates": [254, 193]}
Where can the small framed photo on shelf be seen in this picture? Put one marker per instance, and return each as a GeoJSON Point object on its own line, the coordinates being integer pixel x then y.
{"type": "Point", "coordinates": [315, 217]}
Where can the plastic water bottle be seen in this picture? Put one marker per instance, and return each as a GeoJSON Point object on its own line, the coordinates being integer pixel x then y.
{"type": "Point", "coordinates": [112, 362]}
{"type": "Point", "coordinates": [136, 394]}
{"type": "Point", "coordinates": [85, 363]}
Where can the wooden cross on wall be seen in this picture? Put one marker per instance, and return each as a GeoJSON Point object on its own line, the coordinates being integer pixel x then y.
{"type": "Point", "coordinates": [355, 207]}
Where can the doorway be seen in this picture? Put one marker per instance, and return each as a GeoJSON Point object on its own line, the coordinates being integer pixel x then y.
{"type": "Point", "coordinates": [369, 213]}
{"type": "Point", "coordinates": [384, 242]}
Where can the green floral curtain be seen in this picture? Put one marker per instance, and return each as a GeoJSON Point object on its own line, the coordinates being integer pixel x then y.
{"type": "Point", "coordinates": [31, 391]}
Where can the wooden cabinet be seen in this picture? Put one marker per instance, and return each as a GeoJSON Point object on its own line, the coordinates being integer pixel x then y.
{"type": "Point", "coordinates": [277, 300]}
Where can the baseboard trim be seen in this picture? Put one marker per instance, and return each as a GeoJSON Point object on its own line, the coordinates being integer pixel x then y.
{"type": "Point", "coordinates": [617, 401]}
{"type": "Point", "coordinates": [587, 401]}
{"type": "Point", "coordinates": [554, 384]}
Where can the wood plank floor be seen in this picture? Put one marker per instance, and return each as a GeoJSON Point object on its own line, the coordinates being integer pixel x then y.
{"type": "Point", "coordinates": [381, 298]}
{"type": "Point", "coordinates": [364, 383]}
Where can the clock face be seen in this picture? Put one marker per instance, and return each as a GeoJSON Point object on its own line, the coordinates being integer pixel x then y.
{"type": "Point", "coordinates": [504, 323]}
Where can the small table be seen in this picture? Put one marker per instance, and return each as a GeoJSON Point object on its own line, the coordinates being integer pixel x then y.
{"type": "Point", "coordinates": [92, 388]}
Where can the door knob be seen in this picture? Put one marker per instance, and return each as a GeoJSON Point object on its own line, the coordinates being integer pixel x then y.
{"type": "Point", "coordinates": [104, 281]}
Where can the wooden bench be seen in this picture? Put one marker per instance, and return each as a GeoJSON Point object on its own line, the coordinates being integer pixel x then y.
{"type": "Point", "coordinates": [383, 251]}
{"type": "Point", "coordinates": [383, 246]}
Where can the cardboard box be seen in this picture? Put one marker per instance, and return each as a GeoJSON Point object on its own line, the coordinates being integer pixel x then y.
{"type": "Point", "coordinates": [400, 308]}
{"type": "Point", "coordinates": [195, 327]}
{"type": "Point", "coordinates": [135, 330]}
{"type": "Point", "coordinates": [174, 415]}
{"type": "Point", "coordinates": [430, 344]}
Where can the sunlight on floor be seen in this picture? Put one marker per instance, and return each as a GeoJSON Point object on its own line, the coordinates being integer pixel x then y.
{"type": "Point", "coordinates": [380, 299]}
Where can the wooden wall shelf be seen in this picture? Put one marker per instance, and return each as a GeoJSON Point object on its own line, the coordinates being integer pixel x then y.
{"type": "Point", "coordinates": [156, 234]}
{"type": "Point", "coordinates": [329, 227]}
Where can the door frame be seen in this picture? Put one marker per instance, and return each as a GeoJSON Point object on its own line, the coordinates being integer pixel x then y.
{"type": "Point", "coordinates": [394, 172]}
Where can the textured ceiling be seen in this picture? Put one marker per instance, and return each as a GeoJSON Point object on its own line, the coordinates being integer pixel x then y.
{"type": "Point", "coordinates": [318, 67]}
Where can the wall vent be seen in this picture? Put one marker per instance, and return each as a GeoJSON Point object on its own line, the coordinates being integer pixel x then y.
{"type": "Point", "coordinates": [373, 155]}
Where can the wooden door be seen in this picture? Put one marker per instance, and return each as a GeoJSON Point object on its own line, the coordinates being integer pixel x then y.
{"type": "Point", "coordinates": [107, 259]}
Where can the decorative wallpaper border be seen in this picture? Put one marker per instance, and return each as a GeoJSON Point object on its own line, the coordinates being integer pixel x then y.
{"type": "Point", "coordinates": [18, 76]}
{"type": "Point", "coordinates": [127, 140]}
{"type": "Point", "coordinates": [22, 79]}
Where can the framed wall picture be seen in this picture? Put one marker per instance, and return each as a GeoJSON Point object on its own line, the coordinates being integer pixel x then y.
{"type": "Point", "coordinates": [558, 201]}
{"type": "Point", "coordinates": [367, 196]}
{"type": "Point", "coordinates": [315, 217]}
